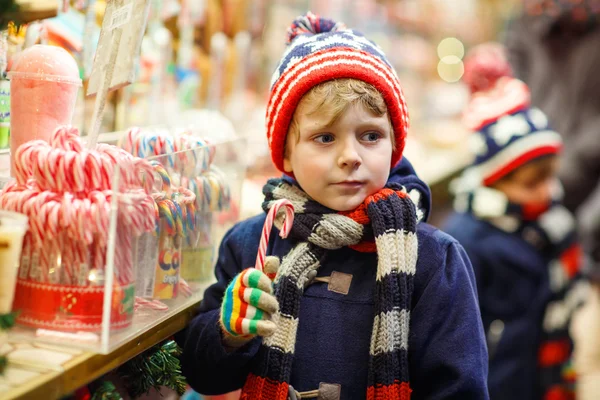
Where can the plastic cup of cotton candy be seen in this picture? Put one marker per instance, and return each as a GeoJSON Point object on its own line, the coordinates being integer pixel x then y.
{"type": "Point", "coordinates": [44, 82]}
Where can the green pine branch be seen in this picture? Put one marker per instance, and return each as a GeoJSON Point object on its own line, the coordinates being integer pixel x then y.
{"type": "Point", "coordinates": [7, 321]}
{"type": "Point", "coordinates": [106, 391]}
{"type": "Point", "coordinates": [159, 366]}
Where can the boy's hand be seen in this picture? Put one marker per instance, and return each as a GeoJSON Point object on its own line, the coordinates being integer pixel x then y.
{"type": "Point", "coordinates": [248, 305]}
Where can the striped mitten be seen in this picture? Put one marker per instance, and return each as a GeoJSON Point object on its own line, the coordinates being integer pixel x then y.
{"type": "Point", "coordinates": [248, 304]}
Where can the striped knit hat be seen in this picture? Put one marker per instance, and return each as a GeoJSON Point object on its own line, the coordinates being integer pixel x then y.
{"type": "Point", "coordinates": [508, 132]}
{"type": "Point", "coordinates": [321, 50]}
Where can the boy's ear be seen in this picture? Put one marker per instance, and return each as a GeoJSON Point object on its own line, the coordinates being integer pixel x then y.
{"type": "Point", "coordinates": [287, 165]}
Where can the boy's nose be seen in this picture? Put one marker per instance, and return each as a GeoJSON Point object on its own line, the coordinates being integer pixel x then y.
{"type": "Point", "coordinates": [349, 156]}
{"type": "Point", "coordinates": [544, 192]}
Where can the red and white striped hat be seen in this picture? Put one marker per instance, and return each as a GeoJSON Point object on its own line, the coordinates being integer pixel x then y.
{"type": "Point", "coordinates": [321, 50]}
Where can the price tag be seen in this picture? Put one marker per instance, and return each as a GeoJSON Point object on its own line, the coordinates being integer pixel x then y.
{"type": "Point", "coordinates": [120, 16]}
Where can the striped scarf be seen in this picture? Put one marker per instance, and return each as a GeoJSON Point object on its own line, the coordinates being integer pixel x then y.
{"type": "Point", "coordinates": [385, 223]}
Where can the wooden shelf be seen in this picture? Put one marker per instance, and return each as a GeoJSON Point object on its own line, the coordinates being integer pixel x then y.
{"type": "Point", "coordinates": [85, 367]}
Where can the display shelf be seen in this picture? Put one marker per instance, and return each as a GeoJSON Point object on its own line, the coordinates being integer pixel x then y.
{"type": "Point", "coordinates": [144, 319]}
{"type": "Point", "coordinates": [144, 277]}
{"type": "Point", "coordinates": [72, 368]}
{"type": "Point", "coordinates": [60, 344]}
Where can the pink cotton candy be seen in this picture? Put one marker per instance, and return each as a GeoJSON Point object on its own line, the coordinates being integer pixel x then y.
{"type": "Point", "coordinates": [44, 85]}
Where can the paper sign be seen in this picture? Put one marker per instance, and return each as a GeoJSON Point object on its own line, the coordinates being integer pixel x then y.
{"type": "Point", "coordinates": [120, 16]}
{"type": "Point", "coordinates": [120, 43]}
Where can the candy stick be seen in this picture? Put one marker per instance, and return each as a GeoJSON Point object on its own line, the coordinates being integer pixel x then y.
{"type": "Point", "coordinates": [266, 231]}
{"type": "Point", "coordinates": [152, 304]}
{"type": "Point", "coordinates": [163, 174]}
{"type": "Point", "coordinates": [185, 288]}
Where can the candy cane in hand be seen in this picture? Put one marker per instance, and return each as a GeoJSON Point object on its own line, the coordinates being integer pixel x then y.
{"type": "Point", "coordinates": [266, 231]}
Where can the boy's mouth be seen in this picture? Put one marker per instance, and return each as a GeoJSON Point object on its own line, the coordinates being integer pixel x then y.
{"type": "Point", "coordinates": [350, 184]}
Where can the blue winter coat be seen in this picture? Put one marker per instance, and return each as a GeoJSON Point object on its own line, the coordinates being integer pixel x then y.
{"type": "Point", "coordinates": [514, 290]}
{"type": "Point", "coordinates": [447, 351]}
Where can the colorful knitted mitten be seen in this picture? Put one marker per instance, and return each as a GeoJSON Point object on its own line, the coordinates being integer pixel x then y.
{"type": "Point", "coordinates": [248, 303]}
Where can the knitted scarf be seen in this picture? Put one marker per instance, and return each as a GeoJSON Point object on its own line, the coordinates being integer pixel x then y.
{"type": "Point", "coordinates": [552, 232]}
{"type": "Point", "coordinates": [386, 222]}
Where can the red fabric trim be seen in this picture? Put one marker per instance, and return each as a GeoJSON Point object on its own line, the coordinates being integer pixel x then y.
{"type": "Point", "coordinates": [571, 260]}
{"type": "Point", "coordinates": [396, 109]}
{"type": "Point", "coordinates": [532, 211]}
{"type": "Point", "coordinates": [559, 393]}
{"type": "Point", "coordinates": [520, 160]}
{"type": "Point", "coordinates": [383, 194]}
{"type": "Point", "coordinates": [396, 391]}
{"type": "Point", "coordinates": [259, 388]}
{"type": "Point", "coordinates": [360, 215]}
{"type": "Point", "coordinates": [365, 247]}
{"type": "Point", "coordinates": [554, 352]}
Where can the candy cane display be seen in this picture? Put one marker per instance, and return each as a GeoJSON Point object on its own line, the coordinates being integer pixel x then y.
{"type": "Point", "coordinates": [175, 209]}
{"type": "Point", "coordinates": [190, 167]}
{"type": "Point", "coordinates": [66, 191]}
{"type": "Point", "coordinates": [288, 222]}
{"type": "Point", "coordinates": [159, 142]}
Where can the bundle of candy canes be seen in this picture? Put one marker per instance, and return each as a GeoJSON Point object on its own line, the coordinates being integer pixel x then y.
{"type": "Point", "coordinates": [176, 205]}
{"type": "Point", "coordinates": [176, 213]}
{"type": "Point", "coordinates": [150, 142]}
{"type": "Point", "coordinates": [189, 159]}
{"type": "Point", "coordinates": [66, 191]}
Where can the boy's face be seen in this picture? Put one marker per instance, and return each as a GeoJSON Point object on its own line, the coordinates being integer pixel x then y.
{"type": "Point", "coordinates": [342, 163]}
{"type": "Point", "coordinates": [531, 183]}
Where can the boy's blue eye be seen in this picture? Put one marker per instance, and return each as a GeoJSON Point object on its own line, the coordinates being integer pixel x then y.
{"type": "Point", "coordinates": [371, 136]}
{"type": "Point", "coordinates": [325, 138]}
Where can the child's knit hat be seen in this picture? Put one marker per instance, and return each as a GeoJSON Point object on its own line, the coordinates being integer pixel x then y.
{"type": "Point", "coordinates": [508, 132]}
{"type": "Point", "coordinates": [320, 50]}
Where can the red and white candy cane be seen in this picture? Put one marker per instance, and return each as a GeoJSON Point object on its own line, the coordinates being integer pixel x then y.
{"type": "Point", "coordinates": [151, 304]}
{"type": "Point", "coordinates": [266, 231]}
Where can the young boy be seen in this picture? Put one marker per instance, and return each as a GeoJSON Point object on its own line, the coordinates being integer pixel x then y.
{"type": "Point", "coordinates": [518, 236]}
{"type": "Point", "coordinates": [368, 300]}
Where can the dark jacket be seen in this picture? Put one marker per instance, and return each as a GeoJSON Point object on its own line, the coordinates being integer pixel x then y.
{"type": "Point", "coordinates": [447, 352]}
{"type": "Point", "coordinates": [514, 286]}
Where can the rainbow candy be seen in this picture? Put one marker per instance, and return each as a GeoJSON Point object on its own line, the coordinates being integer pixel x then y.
{"type": "Point", "coordinates": [164, 175]}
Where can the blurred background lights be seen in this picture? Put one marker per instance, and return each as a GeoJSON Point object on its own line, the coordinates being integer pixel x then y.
{"type": "Point", "coordinates": [451, 68]}
{"type": "Point", "coordinates": [451, 47]}
{"type": "Point", "coordinates": [450, 51]}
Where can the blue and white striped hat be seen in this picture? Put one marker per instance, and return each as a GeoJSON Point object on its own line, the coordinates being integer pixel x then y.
{"type": "Point", "coordinates": [508, 132]}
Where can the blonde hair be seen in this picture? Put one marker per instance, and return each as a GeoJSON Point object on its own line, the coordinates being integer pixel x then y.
{"type": "Point", "coordinates": [334, 97]}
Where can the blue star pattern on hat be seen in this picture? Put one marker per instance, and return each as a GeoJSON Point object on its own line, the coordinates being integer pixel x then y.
{"type": "Point", "coordinates": [511, 141]}
{"type": "Point", "coordinates": [305, 44]}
